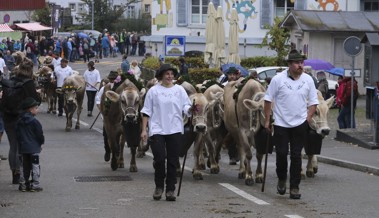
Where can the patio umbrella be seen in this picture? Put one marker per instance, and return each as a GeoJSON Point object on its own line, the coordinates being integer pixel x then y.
{"type": "Point", "coordinates": [233, 39]}
{"type": "Point", "coordinates": [220, 57]}
{"type": "Point", "coordinates": [242, 70]}
{"type": "Point", "coordinates": [83, 35]}
{"type": "Point", "coordinates": [336, 71]}
{"type": "Point", "coordinates": [318, 64]}
{"type": "Point", "coordinates": [209, 35]}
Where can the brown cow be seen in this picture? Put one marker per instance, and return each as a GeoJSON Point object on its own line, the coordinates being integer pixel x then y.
{"type": "Point", "coordinates": [237, 118]}
{"type": "Point", "coordinates": [48, 87]}
{"type": "Point", "coordinates": [73, 90]}
{"type": "Point", "coordinates": [120, 109]}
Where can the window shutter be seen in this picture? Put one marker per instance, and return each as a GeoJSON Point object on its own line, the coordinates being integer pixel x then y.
{"type": "Point", "coordinates": [301, 5]}
{"type": "Point", "coordinates": [266, 13]}
{"type": "Point", "coordinates": [216, 3]}
{"type": "Point", "coordinates": [182, 13]}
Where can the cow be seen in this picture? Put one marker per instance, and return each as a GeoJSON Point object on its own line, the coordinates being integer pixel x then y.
{"type": "Point", "coordinates": [238, 121]}
{"type": "Point", "coordinates": [73, 90]}
{"type": "Point", "coordinates": [48, 87]}
{"type": "Point", "coordinates": [122, 121]}
{"type": "Point", "coordinates": [319, 124]}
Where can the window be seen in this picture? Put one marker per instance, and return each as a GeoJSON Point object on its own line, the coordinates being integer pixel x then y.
{"type": "Point", "coordinates": [370, 5]}
{"type": "Point", "coordinates": [282, 7]}
{"type": "Point", "coordinates": [82, 8]}
{"type": "Point", "coordinates": [147, 8]}
{"type": "Point", "coordinates": [131, 12]}
{"type": "Point", "coordinates": [199, 11]}
{"type": "Point", "coordinates": [73, 6]}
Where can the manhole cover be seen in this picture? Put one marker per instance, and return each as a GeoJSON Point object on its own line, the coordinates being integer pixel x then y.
{"type": "Point", "coordinates": [101, 178]}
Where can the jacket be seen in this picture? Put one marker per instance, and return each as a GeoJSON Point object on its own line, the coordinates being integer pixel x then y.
{"type": "Point", "coordinates": [29, 134]}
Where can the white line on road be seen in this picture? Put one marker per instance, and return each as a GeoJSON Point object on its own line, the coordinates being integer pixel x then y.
{"type": "Point", "coordinates": [244, 194]}
{"type": "Point", "coordinates": [293, 216]}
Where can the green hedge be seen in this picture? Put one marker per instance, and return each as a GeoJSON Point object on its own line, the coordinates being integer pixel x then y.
{"type": "Point", "coordinates": [261, 61]}
{"type": "Point", "coordinates": [199, 75]}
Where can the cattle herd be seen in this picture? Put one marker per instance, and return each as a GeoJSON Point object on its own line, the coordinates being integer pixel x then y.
{"type": "Point", "coordinates": [231, 114]}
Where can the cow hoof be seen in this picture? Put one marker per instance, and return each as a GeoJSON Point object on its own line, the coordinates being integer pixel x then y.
{"type": "Point", "coordinates": [121, 165]}
{"type": "Point", "coordinates": [315, 170]}
{"type": "Point", "coordinates": [249, 181]}
{"type": "Point", "coordinates": [133, 169]}
{"type": "Point", "coordinates": [202, 166]}
{"type": "Point", "coordinates": [241, 175]}
{"type": "Point", "coordinates": [48, 112]}
{"type": "Point", "coordinates": [302, 176]}
{"type": "Point", "coordinates": [215, 170]}
{"type": "Point", "coordinates": [310, 174]}
{"type": "Point", "coordinates": [68, 129]}
{"type": "Point", "coordinates": [140, 154]}
{"type": "Point", "coordinates": [198, 176]}
{"type": "Point", "coordinates": [258, 179]}
{"type": "Point", "coordinates": [77, 127]}
{"type": "Point", "coordinates": [114, 164]}
{"type": "Point", "coordinates": [54, 112]}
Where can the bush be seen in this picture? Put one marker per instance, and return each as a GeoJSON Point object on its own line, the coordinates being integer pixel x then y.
{"type": "Point", "coordinates": [261, 61]}
{"type": "Point", "coordinates": [199, 75]}
{"type": "Point", "coordinates": [192, 62]}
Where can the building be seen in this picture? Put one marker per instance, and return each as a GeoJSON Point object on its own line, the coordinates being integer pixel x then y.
{"type": "Point", "coordinates": [18, 11]}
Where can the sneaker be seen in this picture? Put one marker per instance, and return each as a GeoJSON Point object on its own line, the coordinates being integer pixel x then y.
{"type": "Point", "coordinates": [36, 189]}
{"type": "Point", "coordinates": [158, 193]}
{"type": "Point", "coordinates": [16, 178]}
{"type": "Point", "coordinates": [170, 196]}
{"type": "Point", "coordinates": [294, 193]}
{"type": "Point", "coordinates": [22, 188]}
{"type": "Point", "coordinates": [281, 187]}
{"type": "Point", "coordinates": [59, 115]}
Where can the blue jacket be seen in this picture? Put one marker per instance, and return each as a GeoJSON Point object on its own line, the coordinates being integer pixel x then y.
{"type": "Point", "coordinates": [105, 42]}
{"type": "Point", "coordinates": [125, 66]}
{"type": "Point", "coordinates": [29, 134]}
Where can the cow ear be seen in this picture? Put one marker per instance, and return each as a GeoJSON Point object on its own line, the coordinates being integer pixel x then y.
{"type": "Point", "coordinates": [59, 91]}
{"type": "Point", "coordinates": [251, 105]}
{"type": "Point", "coordinates": [330, 101]}
{"type": "Point", "coordinates": [113, 96]}
{"type": "Point", "coordinates": [142, 92]}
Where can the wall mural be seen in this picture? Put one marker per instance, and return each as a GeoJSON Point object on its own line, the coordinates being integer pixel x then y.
{"type": "Point", "coordinates": [244, 8]}
{"type": "Point", "coordinates": [164, 18]}
{"type": "Point", "coordinates": [325, 5]}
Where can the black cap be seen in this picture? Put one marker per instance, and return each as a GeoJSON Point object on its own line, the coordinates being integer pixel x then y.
{"type": "Point", "coordinates": [28, 103]}
{"type": "Point", "coordinates": [164, 68]}
{"type": "Point", "coordinates": [112, 75]}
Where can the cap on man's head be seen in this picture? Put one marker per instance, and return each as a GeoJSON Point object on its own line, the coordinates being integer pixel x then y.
{"type": "Point", "coordinates": [294, 55]}
{"type": "Point", "coordinates": [232, 70]}
{"type": "Point", "coordinates": [112, 75]}
{"type": "Point", "coordinates": [28, 102]}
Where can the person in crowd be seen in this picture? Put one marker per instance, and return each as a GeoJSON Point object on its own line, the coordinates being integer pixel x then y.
{"type": "Point", "coordinates": [339, 93]}
{"type": "Point", "coordinates": [23, 74]}
{"type": "Point", "coordinates": [93, 79]}
{"type": "Point", "coordinates": [294, 99]}
{"type": "Point", "coordinates": [308, 70]}
{"type": "Point", "coordinates": [111, 77]}
{"type": "Point", "coordinates": [133, 42]}
{"type": "Point", "coordinates": [121, 41]}
{"type": "Point", "coordinates": [9, 62]}
{"type": "Point", "coordinates": [56, 60]}
{"type": "Point", "coordinates": [162, 112]}
{"type": "Point", "coordinates": [135, 69]}
{"type": "Point", "coordinates": [69, 50]}
{"type": "Point", "coordinates": [232, 74]}
{"type": "Point", "coordinates": [3, 46]}
{"type": "Point", "coordinates": [105, 44]}
{"type": "Point", "coordinates": [17, 46]}
{"type": "Point", "coordinates": [30, 137]}
{"type": "Point", "coordinates": [344, 117]}
{"type": "Point", "coordinates": [183, 68]}
{"type": "Point", "coordinates": [114, 47]}
{"type": "Point", "coordinates": [322, 84]}
{"type": "Point", "coordinates": [127, 43]}
{"type": "Point", "coordinates": [96, 50]}
{"type": "Point", "coordinates": [61, 72]}
{"type": "Point", "coordinates": [3, 65]}
{"type": "Point", "coordinates": [30, 51]}
{"type": "Point", "coordinates": [86, 50]}
{"type": "Point", "coordinates": [125, 66]}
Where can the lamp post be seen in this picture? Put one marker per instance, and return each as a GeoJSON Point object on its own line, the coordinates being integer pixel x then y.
{"type": "Point", "coordinates": [93, 2]}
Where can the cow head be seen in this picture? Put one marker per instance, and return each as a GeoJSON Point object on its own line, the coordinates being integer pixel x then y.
{"type": "Point", "coordinates": [319, 121]}
{"type": "Point", "coordinates": [130, 100]}
{"type": "Point", "coordinates": [199, 115]}
{"type": "Point", "coordinates": [255, 106]}
{"type": "Point", "coordinates": [70, 100]}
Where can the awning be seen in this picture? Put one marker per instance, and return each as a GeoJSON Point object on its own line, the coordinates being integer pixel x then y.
{"type": "Point", "coordinates": [5, 28]}
{"type": "Point", "coordinates": [32, 26]}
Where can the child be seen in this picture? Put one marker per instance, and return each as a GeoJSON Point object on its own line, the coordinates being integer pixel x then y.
{"type": "Point", "coordinates": [30, 137]}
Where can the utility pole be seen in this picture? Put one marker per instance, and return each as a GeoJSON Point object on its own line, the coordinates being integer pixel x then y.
{"type": "Point", "coordinates": [93, 2]}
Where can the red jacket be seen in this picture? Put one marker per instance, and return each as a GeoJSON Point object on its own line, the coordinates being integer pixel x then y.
{"type": "Point", "coordinates": [339, 92]}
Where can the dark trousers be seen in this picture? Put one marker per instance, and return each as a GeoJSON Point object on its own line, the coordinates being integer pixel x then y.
{"type": "Point", "coordinates": [166, 147]}
{"type": "Point", "coordinates": [90, 99]}
{"type": "Point", "coordinates": [30, 168]}
{"type": "Point", "coordinates": [10, 129]}
{"type": "Point", "coordinates": [293, 138]}
{"type": "Point", "coordinates": [344, 118]}
{"type": "Point", "coordinates": [60, 103]}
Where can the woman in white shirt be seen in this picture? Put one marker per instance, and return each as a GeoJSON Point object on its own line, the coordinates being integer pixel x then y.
{"type": "Point", "coordinates": [135, 69]}
{"type": "Point", "coordinates": [163, 108]}
{"type": "Point", "coordinates": [93, 79]}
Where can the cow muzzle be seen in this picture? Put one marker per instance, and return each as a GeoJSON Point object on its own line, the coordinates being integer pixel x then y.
{"type": "Point", "coordinates": [130, 115]}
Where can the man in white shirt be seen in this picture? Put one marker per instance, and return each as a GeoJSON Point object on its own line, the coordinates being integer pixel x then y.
{"type": "Point", "coordinates": [56, 60]}
{"type": "Point", "coordinates": [2, 64]}
{"type": "Point", "coordinates": [294, 96]}
{"type": "Point", "coordinates": [60, 73]}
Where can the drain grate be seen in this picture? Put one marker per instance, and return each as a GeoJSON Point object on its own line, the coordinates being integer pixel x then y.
{"type": "Point", "coordinates": [101, 178]}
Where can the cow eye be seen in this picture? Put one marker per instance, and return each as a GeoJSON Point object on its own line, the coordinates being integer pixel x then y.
{"type": "Point", "coordinates": [317, 112]}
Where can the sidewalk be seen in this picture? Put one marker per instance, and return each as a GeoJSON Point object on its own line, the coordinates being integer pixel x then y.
{"type": "Point", "coordinates": [352, 151]}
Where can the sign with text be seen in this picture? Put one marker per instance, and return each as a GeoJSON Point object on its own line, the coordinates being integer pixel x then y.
{"type": "Point", "coordinates": [175, 45]}
{"type": "Point", "coordinates": [357, 72]}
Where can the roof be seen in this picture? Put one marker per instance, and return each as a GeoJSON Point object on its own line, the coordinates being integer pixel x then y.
{"type": "Point", "coordinates": [5, 28]}
{"type": "Point", "coordinates": [32, 26]}
{"type": "Point", "coordinates": [333, 21]}
{"type": "Point", "coordinates": [372, 38]}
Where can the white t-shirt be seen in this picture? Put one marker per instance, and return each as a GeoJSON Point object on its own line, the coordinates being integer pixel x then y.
{"type": "Point", "coordinates": [2, 65]}
{"type": "Point", "coordinates": [61, 74]}
{"type": "Point", "coordinates": [56, 62]}
{"type": "Point", "coordinates": [136, 71]}
{"type": "Point", "coordinates": [91, 78]}
{"type": "Point", "coordinates": [291, 98]}
{"type": "Point", "coordinates": [165, 107]}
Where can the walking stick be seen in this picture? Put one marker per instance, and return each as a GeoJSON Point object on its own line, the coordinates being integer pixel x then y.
{"type": "Point", "coordinates": [95, 119]}
{"type": "Point", "coordinates": [265, 169]}
{"type": "Point", "coordinates": [185, 157]}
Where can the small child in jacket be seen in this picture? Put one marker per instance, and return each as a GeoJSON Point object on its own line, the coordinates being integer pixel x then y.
{"type": "Point", "coordinates": [30, 139]}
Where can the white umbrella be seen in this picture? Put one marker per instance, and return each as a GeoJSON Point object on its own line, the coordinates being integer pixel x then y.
{"type": "Point", "coordinates": [220, 57]}
{"type": "Point", "coordinates": [209, 35]}
{"type": "Point", "coordinates": [233, 39]}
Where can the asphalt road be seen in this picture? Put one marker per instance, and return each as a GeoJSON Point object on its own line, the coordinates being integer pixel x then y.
{"type": "Point", "coordinates": [334, 192]}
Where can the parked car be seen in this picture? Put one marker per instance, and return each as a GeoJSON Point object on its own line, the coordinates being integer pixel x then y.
{"type": "Point", "coordinates": [264, 72]}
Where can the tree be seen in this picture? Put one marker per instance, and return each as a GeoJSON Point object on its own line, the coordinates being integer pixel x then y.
{"type": "Point", "coordinates": [43, 15]}
{"type": "Point", "coordinates": [105, 16]}
{"type": "Point", "coordinates": [276, 39]}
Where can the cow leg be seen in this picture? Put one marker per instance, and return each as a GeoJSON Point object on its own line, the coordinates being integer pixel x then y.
{"type": "Point", "coordinates": [214, 168]}
{"type": "Point", "coordinates": [312, 166]}
{"type": "Point", "coordinates": [68, 121]}
{"type": "Point", "coordinates": [141, 150]}
{"type": "Point", "coordinates": [258, 172]}
{"type": "Point", "coordinates": [133, 164]}
{"type": "Point", "coordinates": [197, 151]}
{"type": "Point", "coordinates": [77, 126]}
{"type": "Point", "coordinates": [115, 147]}
{"type": "Point", "coordinates": [121, 156]}
{"type": "Point", "coordinates": [54, 104]}
{"type": "Point", "coordinates": [246, 157]}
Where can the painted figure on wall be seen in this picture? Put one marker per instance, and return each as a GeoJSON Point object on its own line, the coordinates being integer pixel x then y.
{"type": "Point", "coordinates": [244, 8]}
{"type": "Point", "coordinates": [164, 18]}
{"type": "Point", "coordinates": [325, 5]}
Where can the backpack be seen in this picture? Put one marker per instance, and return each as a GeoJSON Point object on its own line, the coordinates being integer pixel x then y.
{"type": "Point", "coordinates": [85, 46]}
{"type": "Point", "coordinates": [346, 97]}
{"type": "Point", "coordinates": [13, 94]}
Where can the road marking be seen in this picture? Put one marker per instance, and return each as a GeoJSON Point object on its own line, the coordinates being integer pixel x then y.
{"type": "Point", "coordinates": [81, 122]}
{"type": "Point", "coordinates": [293, 216]}
{"type": "Point", "coordinates": [244, 194]}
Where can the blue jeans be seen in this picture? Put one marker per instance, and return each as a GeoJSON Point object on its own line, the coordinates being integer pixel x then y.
{"type": "Point", "coordinates": [105, 52]}
{"type": "Point", "coordinates": [344, 118]}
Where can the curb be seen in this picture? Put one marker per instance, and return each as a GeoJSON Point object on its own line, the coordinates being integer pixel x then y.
{"type": "Point", "coordinates": [349, 165]}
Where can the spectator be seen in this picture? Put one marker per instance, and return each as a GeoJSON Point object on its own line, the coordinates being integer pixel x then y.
{"type": "Point", "coordinates": [93, 79]}
{"type": "Point", "coordinates": [322, 85]}
{"type": "Point", "coordinates": [61, 72]}
{"type": "Point", "coordinates": [9, 62]}
{"type": "Point", "coordinates": [135, 69]}
{"type": "Point", "coordinates": [125, 66]}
